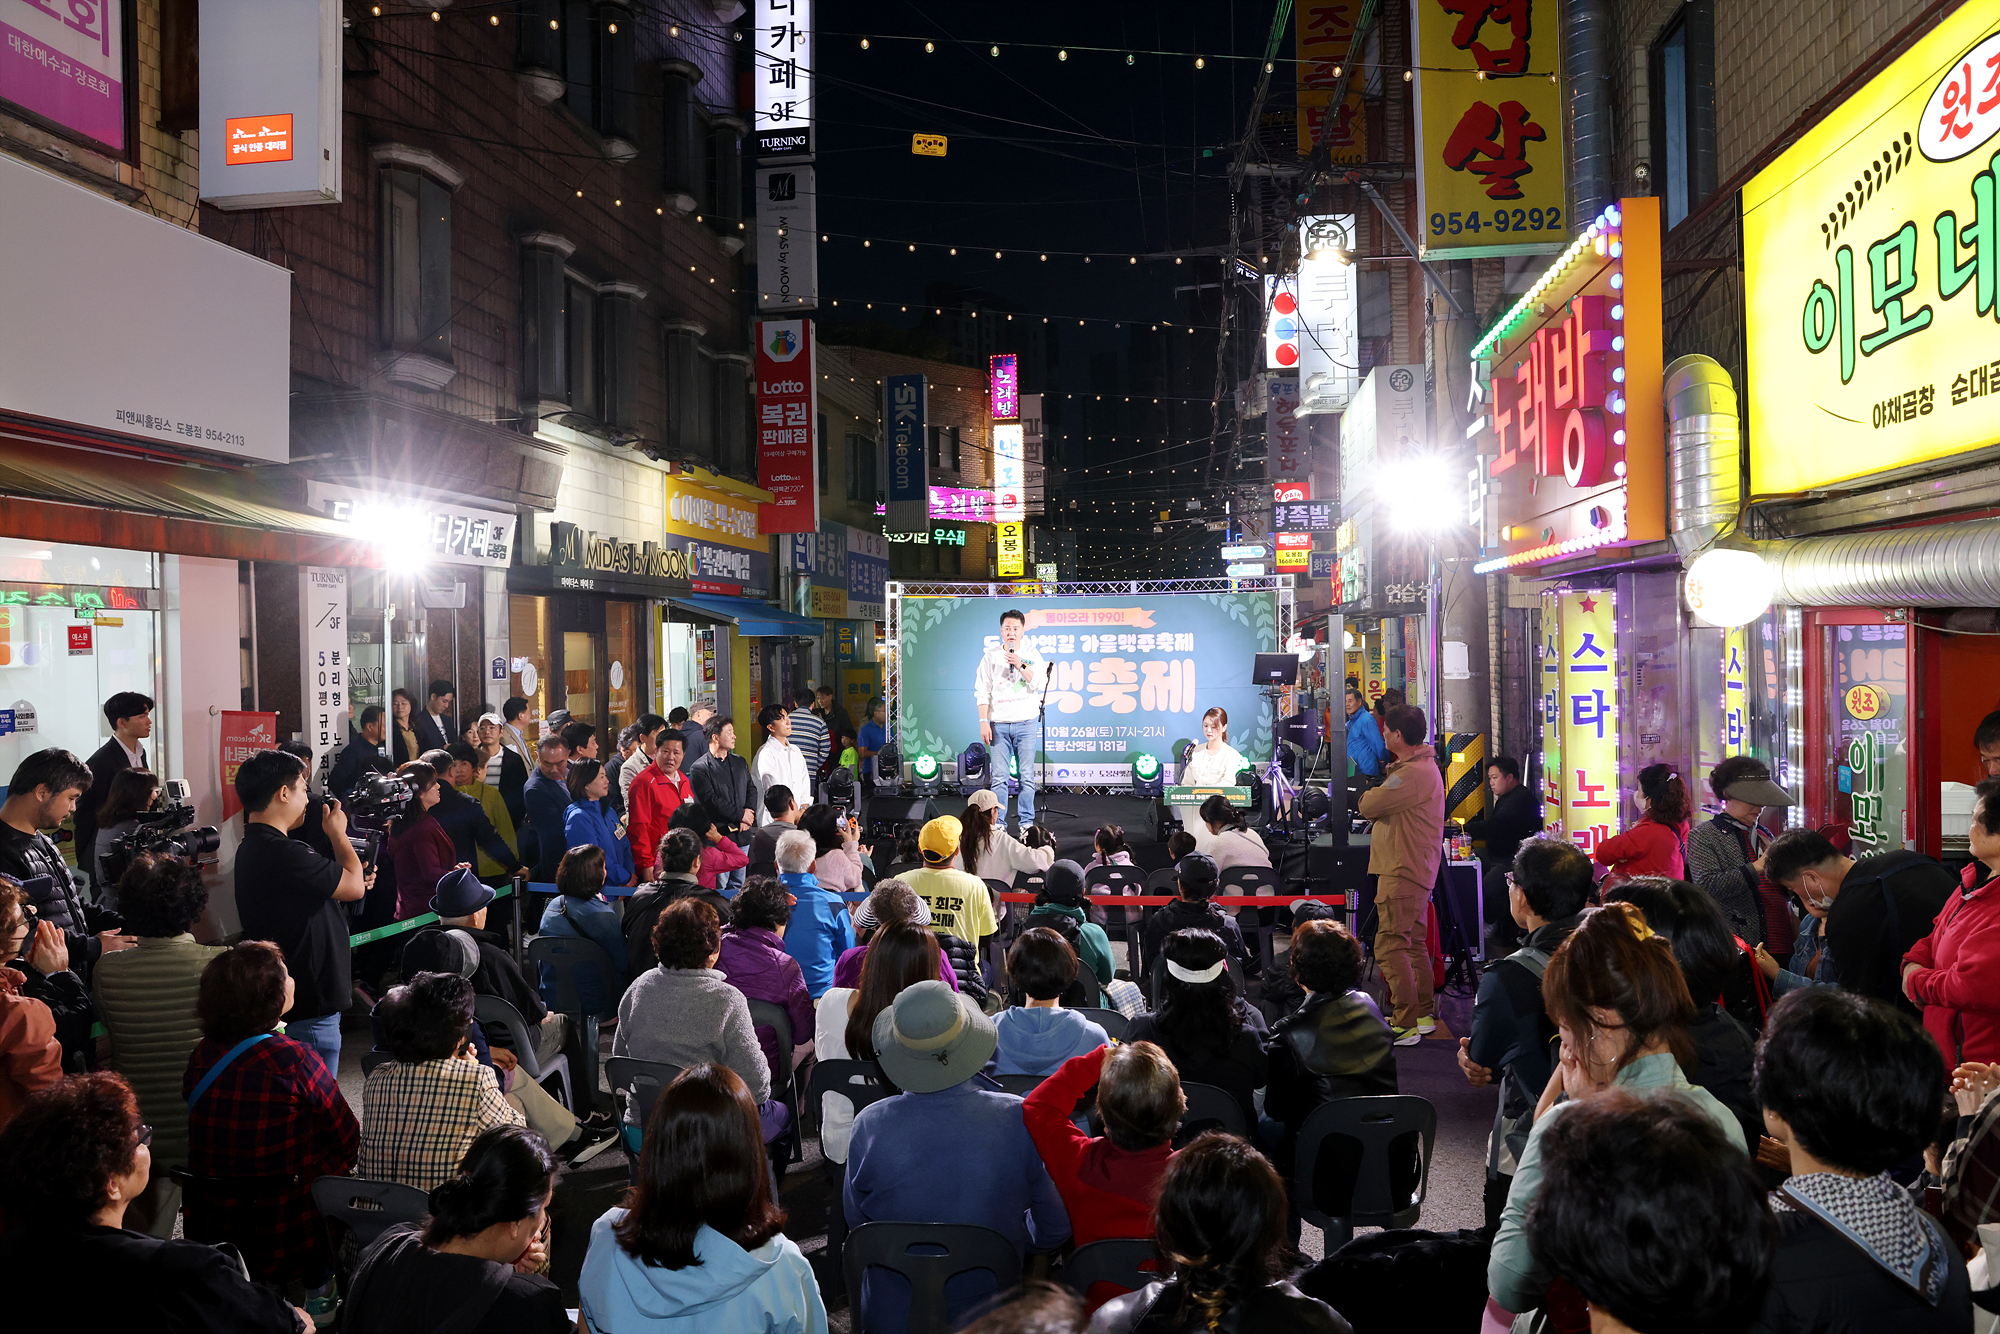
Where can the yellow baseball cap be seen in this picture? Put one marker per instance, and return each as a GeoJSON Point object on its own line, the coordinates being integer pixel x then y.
{"type": "Point", "coordinates": [939, 839]}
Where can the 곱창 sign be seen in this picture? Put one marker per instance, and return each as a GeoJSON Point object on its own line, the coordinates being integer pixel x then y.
{"type": "Point", "coordinates": [1490, 177]}
{"type": "Point", "coordinates": [1870, 250]}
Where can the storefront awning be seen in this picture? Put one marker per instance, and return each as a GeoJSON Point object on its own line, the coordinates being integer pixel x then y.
{"type": "Point", "coordinates": [753, 618]}
{"type": "Point", "coordinates": [96, 498]}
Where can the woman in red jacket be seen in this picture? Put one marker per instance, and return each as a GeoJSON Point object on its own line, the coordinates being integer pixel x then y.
{"type": "Point", "coordinates": [419, 848]}
{"type": "Point", "coordinates": [1954, 972]}
{"type": "Point", "coordinates": [1657, 845]}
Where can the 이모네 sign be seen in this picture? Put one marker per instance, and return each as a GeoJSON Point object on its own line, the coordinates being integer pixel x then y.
{"type": "Point", "coordinates": [1871, 311]}
{"type": "Point", "coordinates": [1490, 177]}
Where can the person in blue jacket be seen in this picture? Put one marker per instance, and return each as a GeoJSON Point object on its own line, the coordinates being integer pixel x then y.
{"type": "Point", "coordinates": [699, 1243]}
{"type": "Point", "coordinates": [581, 912]}
{"type": "Point", "coordinates": [1365, 750]}
{"type": "Point", "coordinates": [546, 794]}
{"type": "Point", "coordinates": [821, 929]}
{"type": "Point", "coordinates": [585, 822]}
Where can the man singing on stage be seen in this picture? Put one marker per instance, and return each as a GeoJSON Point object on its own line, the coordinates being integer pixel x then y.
{"type": "Point", "coordinates": [1008, 687]}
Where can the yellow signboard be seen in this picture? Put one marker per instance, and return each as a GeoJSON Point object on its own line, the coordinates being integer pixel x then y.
{"type": "Point", "coordinates": [1588, 704]}
{"type": "Point", "coordinates": [1013, 551]}
{"type": "Point", "coordinates": [703, 505]}
{"type": "Point", "coordinates": [1490, 175]}
{"type": "Point", "coordinates": [829, 603]}
{"type": "Point", "coordinates": [1871, 253]}
{"type": "Point", "coordinates": [927, 145]}
{"type": "Point", "coordinates": [1325, 33]}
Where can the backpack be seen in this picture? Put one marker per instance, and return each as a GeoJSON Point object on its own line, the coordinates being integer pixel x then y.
{"type": "Point", "coordinates": [1510, 1133]}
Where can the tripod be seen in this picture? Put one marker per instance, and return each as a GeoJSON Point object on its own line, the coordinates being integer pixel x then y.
{"type": "Point", "coordinates": [1282, 789]}
{"type": "Point", "coordinates": [1042, 712]}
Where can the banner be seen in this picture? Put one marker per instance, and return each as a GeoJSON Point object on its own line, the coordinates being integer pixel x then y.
{"type": "Point", "coordinates": [243, 735]}
{"type": "Point", "coordinates": [1589, 718]}
{"type": "Point", "coordinates": [1870, 311]}
{"type": "Point", "coordinates": [1490, 177]}
{"type": "Point", "coordinates": [867, 574]}
{"type": "Point", "coordinates": [906, 412]}
{"type": "Point", "coordinates": [323, 661]}
{"type": "Point", "coordinates": [787, 423]}
{"type": "Point", "coordinates": [1010, 496]}
{"type": "Point", "coordinates": [787, 238]}
{"type": "Point", "coordinates": [68, 69]}
{"type": "Point", "coordinates": [1132, 673]}
{"type": "Point", "coordinates": [1325, 39]}
{"type": "Point", "coordinates": [1012, 559]}
{"type": "Point", "coordinates": [781, 76]}
{"type": "Point", "coordinates": [1329, 315]}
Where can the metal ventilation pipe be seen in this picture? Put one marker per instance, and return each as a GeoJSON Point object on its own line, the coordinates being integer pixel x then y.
{"type": "Point", "coordinates": [1941, 565]}
{"type": "Point", "coordinates": [1704, 453]}
{"type": "Point", "coordinates": [1586, 57]}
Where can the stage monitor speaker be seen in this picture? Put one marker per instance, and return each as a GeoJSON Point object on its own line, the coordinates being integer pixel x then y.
{"type": "Point", "coordinates": [901, 810]}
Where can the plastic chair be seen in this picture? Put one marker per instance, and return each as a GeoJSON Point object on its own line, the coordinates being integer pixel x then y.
{"type": "Point", "coordinates": [371, 1059]}
{"type": "Point", "coordinates": [641, 1081]}
{"type": "Point", "coordinates": [1243, 880]}
{"type": "Point", "coordinates": [1366, 1133]}
{"type": "Point", "coordinates": [557, 958]}
{"type": "Point", "coordinates": [493, 1010]}
{"type": "Point", "coordinates": [771, 1015]}
{"type": "Point", "coordinates": [1118, 881]}
{"type": "Point", "coordinates": [366, 1209]}
{"type": "Point", "coordinates": [1113, 1022]}
{"type": "Point", "coordinates": [927, 1255]}
{"type": "Point", "coordinates": [1211, 1108]}
{"type": "Point", "coordinates": [1125, 1262]}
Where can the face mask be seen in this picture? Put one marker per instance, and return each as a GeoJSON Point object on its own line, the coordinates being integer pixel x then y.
{"type": "Point", "coordinates": [1815, 901]}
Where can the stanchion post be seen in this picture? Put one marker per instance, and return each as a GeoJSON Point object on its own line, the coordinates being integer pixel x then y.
{"type": "Point", "coordinates": [520, 902]}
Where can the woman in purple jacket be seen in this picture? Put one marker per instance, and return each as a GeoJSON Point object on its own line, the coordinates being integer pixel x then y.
{"type": "Point", "coordinates": [754, 961]}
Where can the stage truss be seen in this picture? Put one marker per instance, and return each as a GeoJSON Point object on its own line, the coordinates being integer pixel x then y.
{"type": "Point", "coordinates": [892, 667]}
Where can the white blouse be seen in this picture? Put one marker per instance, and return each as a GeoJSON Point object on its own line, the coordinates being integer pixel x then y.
{"type": "Point", "coordinates": [1213, 768]}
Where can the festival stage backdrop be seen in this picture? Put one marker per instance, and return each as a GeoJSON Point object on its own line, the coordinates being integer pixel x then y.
{"type": "Point", "coordinates": [1132, 673]}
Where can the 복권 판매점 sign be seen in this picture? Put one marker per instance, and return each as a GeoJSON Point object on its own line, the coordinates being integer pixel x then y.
{"type": "Point", "coordinates": [1872, 307]}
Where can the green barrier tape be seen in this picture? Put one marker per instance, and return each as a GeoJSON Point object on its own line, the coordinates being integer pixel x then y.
{"type": "Point", "coordinates": [410, 923]}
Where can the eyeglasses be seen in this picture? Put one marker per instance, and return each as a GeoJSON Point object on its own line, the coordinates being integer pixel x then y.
{"type": "Point", "coordinates": [145, 1135]}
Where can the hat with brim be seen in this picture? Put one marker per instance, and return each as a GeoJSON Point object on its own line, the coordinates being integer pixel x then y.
{"type": "Point", "coordinates": [932, 1039]}
{"type": "Point", "coordinates": [983, 799]}
{"type": "Point", "coordinates": [1757, 792]}
{"type": "Point", "coordinates": [460, 894]}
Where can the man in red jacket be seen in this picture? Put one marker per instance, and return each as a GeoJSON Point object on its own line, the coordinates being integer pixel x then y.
{"type": "Point", "coordinates": [1109, 1183]}
{"type": "Point", "coordinates": [657, 792]}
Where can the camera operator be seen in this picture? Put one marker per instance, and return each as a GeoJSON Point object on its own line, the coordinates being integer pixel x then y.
{"type": "Point", "coordinates": [290, 895]}
{"type": "Point", "coordinates": [40, 796]}
{"type": "Point", "coordinates": [362, 753]}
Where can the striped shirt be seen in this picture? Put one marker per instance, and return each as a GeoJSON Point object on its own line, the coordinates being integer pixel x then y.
{"type": "Point", "coordinates": [810, 736]}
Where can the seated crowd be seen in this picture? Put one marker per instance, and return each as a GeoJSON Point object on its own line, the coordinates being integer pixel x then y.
{"type": "Point", "coordinates": [1689, 1134]}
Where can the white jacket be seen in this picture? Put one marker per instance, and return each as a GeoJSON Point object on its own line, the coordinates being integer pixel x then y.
{"type": "Point", "coordinates": [780, 762]}
{"type": "Point", "coordinates": [1006, 856]}
{"type": "Point", "coordinates": [1007, 695]}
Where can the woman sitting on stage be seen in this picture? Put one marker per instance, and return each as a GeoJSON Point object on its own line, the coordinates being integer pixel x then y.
{"type": "Point", "coordinates": [1212, 763]}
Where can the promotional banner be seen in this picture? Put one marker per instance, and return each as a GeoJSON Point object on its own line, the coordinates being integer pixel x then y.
{"type": "Point", "coordinates": [1325, 40]}
{"type": "Point", "coordinates": [867, 575]}
{"type": "Point", "coordinates": [781, 75]}
{"type": "Point", "coordinates": [67, 69]}
{"type": "Point", "coordinates": [1132, 673]}
{"type": "Point", "coordinates": [787, 238]}
{"type": "Point", "coordinates": [1010, 497]}
{"type": "Point", "coordinates": [905, 412]}
{"type": "Point", "coordinates": [1013, 552]}
{"type": "Point", "coordinates": [1284, 440]}
{"type": "Point", "coordinates": [1329, 315]}
{"type": "Point", "coordinates": [1871, 683]}
{"type": "Point", "coordinates": [323, 699]}
{"type": "Point", "coordinates": [718, 534]}
{"type": "Point", "coordinates": [270, 100]}
{"type": "Point", "coordinates": [243, 735]}
{"type": "Point", "coordinates": [1871, 339]}
{"type": "Point", "coordinates": [787, 422]}
{"type": "Point", "coordinates": [1589, 718]}
{"type": "Point", "coordinates": [1490, 177]}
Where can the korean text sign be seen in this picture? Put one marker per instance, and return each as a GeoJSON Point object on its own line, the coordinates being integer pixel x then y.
{"type": "Point", "coordinates": [323, 662]}
{"type": "Point", "coordinates": [1871, 683]}
{"type": "Point", "coordinates": [1872, 307]}
{"type": "Point", "coordinates": [906, 409]}
{"type": "Point", "coordinates": [1490, 177]}
{"type": "Point", "coordinates": [1587, 706]}
{"type": "Point", "coordinates": [1130, 673]}
{"type": "Point", "coordinates": [781, 75]}
{"type": "Point", "coordinates": [64, 60]}
{"type": "Point", "coordinates": [243, 735]}
{"type": "Point", "coordinates": [1010, 499]}
{"type": "Point", "coordinates": [1576, 446]}
{"type": "Point", "coordinates": [787, 461]}
{"type": "Point", "coordinates": [1325, 39]}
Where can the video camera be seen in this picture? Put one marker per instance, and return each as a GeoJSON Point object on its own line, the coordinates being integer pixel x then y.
{"type": "Point", "coordinates": [374, 800]}
{"type": "Point", "coordinates": [166, 832]}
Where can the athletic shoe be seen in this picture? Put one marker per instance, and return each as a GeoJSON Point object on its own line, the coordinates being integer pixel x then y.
{"type": "Point", "coordinates": [1405, 1037]}
{"type": "Point", "coordinates": [1427, 1025]}
{"type": "Point", "coordinates": [590, 1141]}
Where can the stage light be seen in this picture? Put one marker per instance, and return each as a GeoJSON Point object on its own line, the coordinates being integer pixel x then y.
{"type": "Point", "coordinates": [927, 775]}
{"type": "Point", "coordinates": [975, 769]}
{"type": "Point", "coordinates": [1148, 779]}
{"type": "Point", "coordinates": [888, 769]}
{"type": "Point", "coordinates": [839, 789]}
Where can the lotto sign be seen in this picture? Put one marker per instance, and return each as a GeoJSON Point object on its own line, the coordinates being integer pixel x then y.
{"type": "Point", "coordinates": [1588, 704]}
{"type": "Point", "coordinates": [1489, 128]}
{"type": "Point", "coordinates": [787, 462]}
{"type": "Point", "coordinates": [1871, 256]}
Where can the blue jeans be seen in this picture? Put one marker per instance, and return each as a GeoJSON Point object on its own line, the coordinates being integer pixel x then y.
{"type": "Point", "coordinates": [322, 1035]}
{"type": "Point", "coordinates": [730, 883]}
{"type": "Point", "coordinates": [1018, 740]}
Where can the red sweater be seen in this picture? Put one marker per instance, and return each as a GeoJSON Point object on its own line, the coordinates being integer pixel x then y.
{"type": "Point", "coordinates": [653, 801]}
{"type": "Point", "coordinates": [1108, 1191]}
{"type": "Point", "coordinates": [1647, 848]}
{"type": "Point", "coordinates": [421, 852]}
{"type": "Point", "coordinates": [1958, 975]}
{"type": "Point", "coordinates": [718, 859]}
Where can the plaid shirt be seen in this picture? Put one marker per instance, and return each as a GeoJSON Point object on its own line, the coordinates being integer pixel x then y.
{"type": "Point", "coordinates": [1972, 1173]}
{"type": "Point", "coordinates": [270, 1124]}
{"type": "Point", "coordinates": [418, 1120]}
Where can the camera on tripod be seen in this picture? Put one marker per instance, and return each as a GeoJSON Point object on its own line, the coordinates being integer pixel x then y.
{"type": "Point", "coordinates": [375, 800]}
{"type": "Point", "coordinates": [169, 831]}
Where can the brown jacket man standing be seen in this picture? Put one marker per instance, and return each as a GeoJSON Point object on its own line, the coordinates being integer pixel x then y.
{"type": "Point", "coordinates": [1407, 810]}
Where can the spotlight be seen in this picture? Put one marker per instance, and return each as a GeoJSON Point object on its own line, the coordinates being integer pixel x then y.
{"type": "Point", "coordinates": [975, 769]}
{"type": "Point", "coordinates": [926, 774]}
{"type": "Point", "coordinates": [1148, 779]}
{"type": "Point", "coordinates": [888, 769]}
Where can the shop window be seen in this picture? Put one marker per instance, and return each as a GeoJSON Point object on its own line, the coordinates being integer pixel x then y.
{"type": "Point", "coordinates": [684, 369]}
{"type": "Point", "coordinates": [1683, 110]}
{"type": "Point", "coordinates": [545, 365]}
{"type": "Point", "coordinates": [684, 145]}
{"type": "Point", "coordinates": [861, 483]}
{"type": "Point", "coordinates": [580, 334]}
{"type": "Point", "coordinates": [732, 414]}
{"type": "Point", "coordinates": [416, 309]}
{"type": "Point", "coordinates": [945, 441]}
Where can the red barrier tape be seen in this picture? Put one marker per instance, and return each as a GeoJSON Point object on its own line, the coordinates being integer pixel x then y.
{"type": "Point", "coordinates": [1225, 901]}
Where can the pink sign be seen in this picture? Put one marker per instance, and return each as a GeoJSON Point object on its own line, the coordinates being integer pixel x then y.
{"type": "Point", "coordinates": [1006, 381]}
{"type": "Point", "coordinates": [957, 503]}
{"type": "Point", "coordinates": [63, 60]}
{"type": "Point", "coordinates": [786, 425]}
{"type": "Point", "coordinates": [243, 735]}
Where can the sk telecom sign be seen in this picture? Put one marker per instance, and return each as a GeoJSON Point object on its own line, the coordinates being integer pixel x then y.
{"type": "Point", "coordinates": [1574, 444]}
{"type": "Point", "coordinates": [1871, 249]}
{"type": "Point", "coordinates": [1489, 129]}
{"type": "Point", "coordinates": [906, 409]}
